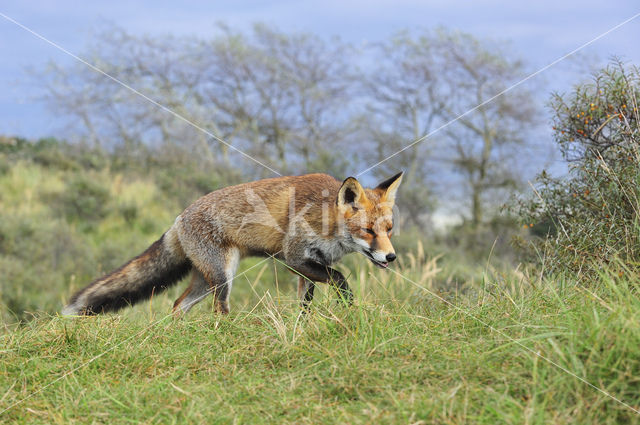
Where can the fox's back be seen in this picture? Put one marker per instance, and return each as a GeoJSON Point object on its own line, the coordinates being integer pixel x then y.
{"type": "Point", "coordinates": [255, 216]}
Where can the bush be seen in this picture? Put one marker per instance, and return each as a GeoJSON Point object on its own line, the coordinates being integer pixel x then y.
{"type": "Point", "coordinates": [38, 258]}
{"type": "Point", "coordinates": [84, 199]}
{"type": "Point", "coordinates": [590, 216]}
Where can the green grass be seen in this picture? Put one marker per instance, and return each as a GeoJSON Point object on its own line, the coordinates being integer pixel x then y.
{"type": "Point", "coordinates": [399, 355]}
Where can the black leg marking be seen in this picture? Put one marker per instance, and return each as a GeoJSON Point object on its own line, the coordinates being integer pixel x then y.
{"type": "Point", "coordinates": [315, 272]}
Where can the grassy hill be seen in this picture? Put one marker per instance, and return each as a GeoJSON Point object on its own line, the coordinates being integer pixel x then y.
{"type": "Point", "coordinates": [400, 355]}
{"type": "Point", "coordinates": [438, 339]}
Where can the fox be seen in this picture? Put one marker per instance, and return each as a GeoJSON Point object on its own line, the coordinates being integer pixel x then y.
{"type": "Point", "coordinates": [308, 222]}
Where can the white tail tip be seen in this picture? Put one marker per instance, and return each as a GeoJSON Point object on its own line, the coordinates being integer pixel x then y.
{"type": "Point", "coordinates": [71, 310]}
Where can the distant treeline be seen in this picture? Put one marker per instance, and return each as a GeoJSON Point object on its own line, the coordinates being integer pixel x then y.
{"type": "Point", "coordinates": [299, 103]}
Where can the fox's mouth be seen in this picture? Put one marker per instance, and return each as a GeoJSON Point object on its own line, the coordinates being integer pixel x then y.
{"type": "Point", "coordinates": [380, 264]}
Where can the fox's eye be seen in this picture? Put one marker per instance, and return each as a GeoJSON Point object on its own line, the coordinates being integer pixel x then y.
{"type": "Point", "coordinates": [368, 231]}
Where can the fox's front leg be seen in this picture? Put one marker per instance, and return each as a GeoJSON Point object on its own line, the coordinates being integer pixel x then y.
{"type": "Point", "coordinates": [316, 272]}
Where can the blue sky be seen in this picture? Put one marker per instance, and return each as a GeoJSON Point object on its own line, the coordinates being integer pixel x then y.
{"type": "Point", "coordinates": [539, 32]}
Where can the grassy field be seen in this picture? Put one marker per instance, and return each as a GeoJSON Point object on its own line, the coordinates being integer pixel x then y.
{"type": "Point", "coordinates": [399, 355]}
{"type": "Point", "coordinates": [439, 339]}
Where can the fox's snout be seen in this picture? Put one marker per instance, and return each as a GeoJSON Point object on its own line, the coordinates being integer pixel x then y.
{"type": "Point", "coordinates": [382, 256]}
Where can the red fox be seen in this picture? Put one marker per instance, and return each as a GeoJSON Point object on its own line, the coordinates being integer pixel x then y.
{"type": "Point", "coordinates": [309, 222]}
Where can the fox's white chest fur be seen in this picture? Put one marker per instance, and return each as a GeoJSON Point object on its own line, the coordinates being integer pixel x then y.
{"type": "Point", "coordinates": [326, 251]}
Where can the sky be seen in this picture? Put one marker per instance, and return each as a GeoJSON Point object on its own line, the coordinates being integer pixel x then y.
{"type": "Point", "coordinates": [539, 32]}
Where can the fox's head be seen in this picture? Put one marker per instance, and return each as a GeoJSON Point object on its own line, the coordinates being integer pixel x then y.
{"type": "Point", "coordinates": [368, 217]}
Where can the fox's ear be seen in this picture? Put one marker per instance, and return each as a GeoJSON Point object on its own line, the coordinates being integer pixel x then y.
{"type": "Point", "coordinates": [389, 187]}
{"type": "Point", "coordinates": [351, 192]}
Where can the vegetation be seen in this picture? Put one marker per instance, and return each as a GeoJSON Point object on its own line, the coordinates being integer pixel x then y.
{"type": "Point", "coordinates": [398, 355]}
{"type": "Point", "coordinates": [70, 213]}
{"type": "Point", "coordinates": [591, 216]}
{"type": "Point", "coordinates": [458, 332]}
{"type": "Point", "coordinates": [420, 344]}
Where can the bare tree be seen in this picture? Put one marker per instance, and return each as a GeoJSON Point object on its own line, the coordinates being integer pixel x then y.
{"type": "Point", "coordinates": [488, 145]}
{"type": "Point", "coordinates": [280, 97]}
{"type": "Point", "coordinates": [424, 82]}
{"type": "Point", "coordinates": [404, 104]}
{"type": "Point", "coordinates": [286, 94]}
{"type": "Point", "coordinates": [114, 117]}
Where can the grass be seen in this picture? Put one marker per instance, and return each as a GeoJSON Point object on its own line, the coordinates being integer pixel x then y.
{"type": "Point", "coordinates": [399, 355]}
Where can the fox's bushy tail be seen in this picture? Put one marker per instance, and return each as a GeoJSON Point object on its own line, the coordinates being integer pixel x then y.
{"type": "Point", "coordinates": [162, 265]}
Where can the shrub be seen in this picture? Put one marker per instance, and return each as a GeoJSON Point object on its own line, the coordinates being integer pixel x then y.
{"type": "Point", "coordinates": [38, 258]}
{"type": "Point", "coordinates": [84, 200]}
{"type": "Point", "coordinates": [590, 216]}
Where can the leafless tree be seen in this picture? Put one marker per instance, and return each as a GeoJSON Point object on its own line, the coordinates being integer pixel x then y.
{"type": "Point", "coordinates": [487, 145]}
{"type": "Point", "coordinates": [280, 97]}
{"type": "Point", "coordinates": [287, 95]}
{"type": "Point", "coordinates": [404, 104]}
{"type": "Point", "coordinates": [432, 80]}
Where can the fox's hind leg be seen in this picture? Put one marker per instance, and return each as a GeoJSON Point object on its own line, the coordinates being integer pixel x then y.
{"type": "Point", "coordinates": [196, 292]}
{"type": "Point", "coordinates": [215, 276]}
{"type": "Point", "coordinates": [223, 287]}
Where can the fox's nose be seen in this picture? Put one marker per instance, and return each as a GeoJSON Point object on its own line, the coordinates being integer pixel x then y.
{"type": "Point", "coordinates": [391, 257]}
